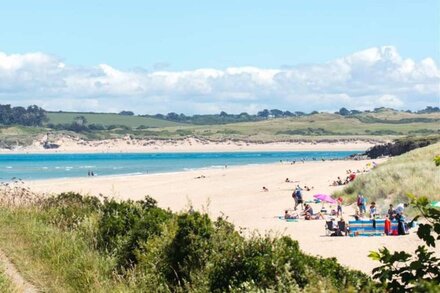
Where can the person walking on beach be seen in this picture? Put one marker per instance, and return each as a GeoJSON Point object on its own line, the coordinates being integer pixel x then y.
{"type": "Point", "coordinates": [297, 196]}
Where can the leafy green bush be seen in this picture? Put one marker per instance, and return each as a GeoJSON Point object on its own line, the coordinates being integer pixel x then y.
{"type": "Point", "coordinates": [191, 246]}
{"type": "Point", "coordinates": [68, 210]}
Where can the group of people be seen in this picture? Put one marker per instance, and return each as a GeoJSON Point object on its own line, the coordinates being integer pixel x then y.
{"type": "Point", "coordinates": [90, 173]}
{"type": "Point", "coordinates": [307, 213]}
{"type": "Point", "coordinates": [347, 180]}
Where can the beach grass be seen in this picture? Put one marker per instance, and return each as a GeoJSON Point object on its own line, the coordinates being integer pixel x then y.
{"type": "Point", "coordinates": [390, 182]}
{"type": "Point", "coordinates": [51, 259]}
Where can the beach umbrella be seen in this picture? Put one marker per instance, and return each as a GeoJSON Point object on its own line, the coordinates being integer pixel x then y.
{"type": "Point", "coordinates": [435, 204]}
{"type": "Point", "coordinates": [325, 198]}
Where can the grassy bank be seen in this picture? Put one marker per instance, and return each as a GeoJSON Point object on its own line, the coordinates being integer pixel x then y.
{"type": "Point", "coordinates": [71, 243]}
{"type": "Point", "coordinates": [413, 172]}
{"type": "Point", "coordinates": [53, 259]}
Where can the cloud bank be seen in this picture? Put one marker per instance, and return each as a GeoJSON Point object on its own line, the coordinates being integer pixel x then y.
{"type": "Point", "coordinates": [370, 78]}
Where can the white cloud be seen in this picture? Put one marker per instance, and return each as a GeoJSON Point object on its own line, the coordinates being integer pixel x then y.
{"type": "Point", "coordinates": [370, 78]}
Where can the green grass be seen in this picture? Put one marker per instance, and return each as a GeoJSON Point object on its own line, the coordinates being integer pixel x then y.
{"type": "Point", "coordinates": [109, 119]}
{"type": "Point", "coordinates": [52, 259]}
{"type": "Point", "coordinates": [414, 172]}
{"type": "Point", "coordinates": [334, 126]}
{"type": "Point", "coordinates": [5, 282]}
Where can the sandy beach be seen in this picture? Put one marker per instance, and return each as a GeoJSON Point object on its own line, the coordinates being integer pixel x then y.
{"type": "Point", "coordinates": [236, 192]}
{"type": "Point", "coordinates": [129, 145]}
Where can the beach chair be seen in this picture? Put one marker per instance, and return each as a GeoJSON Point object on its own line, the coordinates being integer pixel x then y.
{"type": "Point", "coordinates": [329, 229]}
{"type": "Point", "coordinates": [342, 228]}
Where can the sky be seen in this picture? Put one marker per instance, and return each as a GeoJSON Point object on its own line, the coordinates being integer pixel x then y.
{"type": "Point", "coordinates": [206, 57]}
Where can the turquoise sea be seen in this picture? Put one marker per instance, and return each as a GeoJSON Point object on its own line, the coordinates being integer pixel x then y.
{"type": "Point", "coordinates": [48, 166]}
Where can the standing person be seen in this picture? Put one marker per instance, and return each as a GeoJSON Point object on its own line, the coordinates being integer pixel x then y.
{"type": "Point", "coordinates": [359, 202]}
{"type": "Point", "coordinates": [299, 199]}
{"type": "Point", "coordinates": [400, 208]}
{"type": "Point", "coordinates": [387, 225]}
{"type": "Point", "coordinates": [391, 213]}
{"type": "Point", "coordinates": [373, 209]}
{"type": "Point", "coordinates": [364, 204]}
{"type": "Point", "coordinates": [339, 210]}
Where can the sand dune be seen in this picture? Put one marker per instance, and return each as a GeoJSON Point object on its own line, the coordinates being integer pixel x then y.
{"type": "Point", "coordinates": [236, 193]}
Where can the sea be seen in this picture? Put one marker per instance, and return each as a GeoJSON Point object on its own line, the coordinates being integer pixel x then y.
{"type": "Point", "coordinates": [50, 166]}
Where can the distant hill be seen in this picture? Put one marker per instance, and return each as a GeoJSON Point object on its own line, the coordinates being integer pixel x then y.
{"type": "Point", "coordinates": [107, 119]}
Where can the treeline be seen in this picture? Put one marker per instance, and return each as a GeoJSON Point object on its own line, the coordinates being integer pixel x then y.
{"type": "Point", "coordinates": [223, 117]}
{"type": "Point", "coordinates": [30, 116]}
{"type": "Point", "coordinates": [80, 124]}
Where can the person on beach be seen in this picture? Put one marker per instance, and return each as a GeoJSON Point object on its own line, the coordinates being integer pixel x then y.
{"type": "Point", "coordinates": [309, 215]}
{"type": "Point", "coordinates": [373, 210]}
{"type": "Point", "coordinates": [387, 226]}
{"type": "Point", "coordinates": [391, 213]}
{"type": "Point", "coordinates": [265, 189]}
{"type": "Point", "coordinates": [400, 208]}
{"type": "Point", "coordinates": [339, 209]}
{"type": "Point", "coordinates": [299, 199]}
{"type": "Point", "coordinates": [290, 216]}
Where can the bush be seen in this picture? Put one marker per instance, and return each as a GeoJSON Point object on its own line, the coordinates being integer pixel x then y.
{"type": "Point", "coordinates": [190, 247]}
{"type": "Point", "coordinates": [68, 210]}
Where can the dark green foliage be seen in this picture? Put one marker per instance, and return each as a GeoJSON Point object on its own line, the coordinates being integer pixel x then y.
{"type": "Point", "coordinates": [190, 247]}
{"type": "Point", "coordinates": [30, 116]}
{"type": "Point", "coordinates": [149, 224]}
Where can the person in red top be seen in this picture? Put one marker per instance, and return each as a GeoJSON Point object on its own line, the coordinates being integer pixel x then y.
{"type": "Point", "coordinates": [352, 176]}
{"type": "Point", "coordinates": [387, 225]}
{"type": "Point", "coordinates": [339, 211]}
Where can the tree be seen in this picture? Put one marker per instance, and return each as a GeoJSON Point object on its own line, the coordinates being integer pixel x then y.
{"type": "Point", "coordinates": [263, 114]}
{"type": "Point", "coordinates": [223, 114]}
{"type": "Point", "coordinates": [172, 116]}
{"type": "Point", "coordinates": [126, 113]}
{"type": "Point", "coordinates": [344, 112]}
{"type": "Point", "coordinates": [288, 114]}
{"type": "Point", "coordinates": [80, 120]}
{"type": "Point", "coordinates": [276, 113]}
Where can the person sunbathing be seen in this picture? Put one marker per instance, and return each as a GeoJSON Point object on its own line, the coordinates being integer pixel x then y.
{"type": "Point", "coordinates": [290, 216]}
{"type": "Point", "coordinates": [265, 189]}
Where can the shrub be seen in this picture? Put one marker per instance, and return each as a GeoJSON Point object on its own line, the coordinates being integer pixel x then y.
{"type": "Point", "coordinates": [190, 247]}
{"type": "Point", "coordinates": [68, 210]}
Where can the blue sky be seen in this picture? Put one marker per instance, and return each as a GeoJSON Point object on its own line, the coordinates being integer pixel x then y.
{"type": "Point", "coordinates": [178, 36]}
{"type": "Point", "coordinates": [194, 34]}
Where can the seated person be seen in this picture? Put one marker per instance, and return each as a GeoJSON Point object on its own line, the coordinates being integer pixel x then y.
{"type": "Point", "coordinates": [309, 215]}
{"type": "Point", "coordinates": [265, 189]}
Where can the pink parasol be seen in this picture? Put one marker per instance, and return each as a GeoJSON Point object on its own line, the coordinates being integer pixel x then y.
{"type": "Point", "coordinates": [325, 198]}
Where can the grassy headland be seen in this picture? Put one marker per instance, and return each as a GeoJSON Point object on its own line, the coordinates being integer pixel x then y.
{"type": "Point", "coordinates": [413, 172]}
{"type": "Point", "coordinates": [378, 126]}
